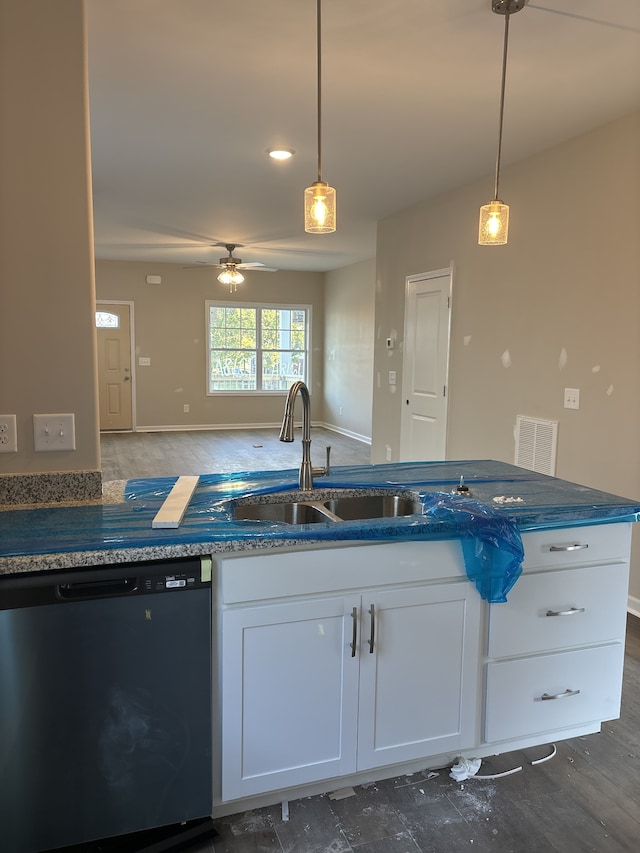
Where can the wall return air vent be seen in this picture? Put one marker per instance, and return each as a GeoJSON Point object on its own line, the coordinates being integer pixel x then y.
{"type": "Point", "coordinates": [536, 444]}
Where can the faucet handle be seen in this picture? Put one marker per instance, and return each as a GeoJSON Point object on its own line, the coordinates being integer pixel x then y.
{"type": "Point", "coordinates": [323, 472]}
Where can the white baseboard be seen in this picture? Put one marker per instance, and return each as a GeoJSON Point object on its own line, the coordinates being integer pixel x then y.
{"type": "Point", "coordinates": [203, 427]}
{"type": "Point", "coordinates": [365, 439]}
{"type": "Point", "coordinates": [633, 605]}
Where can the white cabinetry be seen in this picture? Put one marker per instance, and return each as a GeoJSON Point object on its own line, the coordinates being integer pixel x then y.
{"type": "Point", "coordinates": [556, 648]}
{"type": "Point", "coordinates": [417, 680]}
{"type": "Point", "coordinates": [377, 665]}
{"type": "Point", "coordinates": [337, 661]}
{"type": "Point", "coordinates": [289, 700]}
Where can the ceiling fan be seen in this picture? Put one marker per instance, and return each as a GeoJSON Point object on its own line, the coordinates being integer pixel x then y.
{"type": "Point", "coordinates": [230, 267]}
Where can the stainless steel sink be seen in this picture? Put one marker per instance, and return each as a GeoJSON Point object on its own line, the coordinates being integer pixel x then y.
{"type": "Point", "coordinates": [329, 509]}
{"type": "Point", "coordinates": [359, 507]}
{"type": "Point", "coordinates": [291, 512]}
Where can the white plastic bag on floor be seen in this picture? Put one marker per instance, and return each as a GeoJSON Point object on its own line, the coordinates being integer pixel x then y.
{"type": "Point", "coordinates": [464, 768]}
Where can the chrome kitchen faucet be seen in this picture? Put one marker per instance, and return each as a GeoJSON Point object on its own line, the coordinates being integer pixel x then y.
{"type": "Point", "coordinates": [307, 471]}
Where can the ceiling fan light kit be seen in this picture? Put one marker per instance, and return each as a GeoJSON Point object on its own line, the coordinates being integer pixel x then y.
{"type": "Point", "coordinates": [232, 277]}
{"type": "Point", "coordinates": [231, 267]}
{"type": "Point", "coordinates": [493, 228]}
{"type": "Point", "coordinates": [319, 198]}
{"type": "Point", "coordinates": [230, 274]}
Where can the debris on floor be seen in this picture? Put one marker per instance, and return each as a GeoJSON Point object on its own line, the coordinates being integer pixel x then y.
{"type": "Point", "coordinates": [342, 794]}
{"type": "Point", "coordinates": [464, 768]}
{"type": "Point", "coordinates": [467, 768]}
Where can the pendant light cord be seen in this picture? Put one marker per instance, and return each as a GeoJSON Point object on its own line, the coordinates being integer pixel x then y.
{"type": "Point", "coordinates": [319, 61]}
{"type": "Point", "coordinates": [504, 80]}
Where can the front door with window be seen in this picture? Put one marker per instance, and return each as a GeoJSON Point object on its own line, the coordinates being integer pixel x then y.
{"type": "Point", "coordinates": [113, 326]}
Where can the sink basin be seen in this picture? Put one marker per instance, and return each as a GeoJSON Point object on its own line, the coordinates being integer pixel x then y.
{"type": "Point", "coordinates": [291, 512]}
{"type": "Point", "coordinates": [358, 507]}
{"type": "Point", "coordinates": [322, 509]}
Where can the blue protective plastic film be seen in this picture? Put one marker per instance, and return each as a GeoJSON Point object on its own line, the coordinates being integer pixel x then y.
{"type": "Point", "coordinates": [504, 502]}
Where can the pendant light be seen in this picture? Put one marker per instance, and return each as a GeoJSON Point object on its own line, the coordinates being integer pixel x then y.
{"type": "Point", "coordinates": [493, 229]}
{"type": "Point", "coordinates": [319, 198]}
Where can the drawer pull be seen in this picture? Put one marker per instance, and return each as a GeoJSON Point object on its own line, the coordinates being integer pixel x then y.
{"type": "Point", "coordinates": [547, 696]}
{"type": "Point", "coordinates": [570, 612]}
{"type": "Point", "coordinates": [354, 638]}
{"type": "Point", "coordinates": [575, 547]}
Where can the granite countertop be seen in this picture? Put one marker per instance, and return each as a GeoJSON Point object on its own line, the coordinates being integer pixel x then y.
{"type": "Point", "coordinates": [118, 529]}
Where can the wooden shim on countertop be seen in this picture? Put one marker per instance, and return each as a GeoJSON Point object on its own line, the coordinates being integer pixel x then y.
{"type": "Point", "coordinates": [172, 510]}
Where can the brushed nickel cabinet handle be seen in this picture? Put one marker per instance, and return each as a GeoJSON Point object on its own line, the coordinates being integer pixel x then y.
{"type": "Point", "coordinates": [354, 636]}
{"type": "Point", "coordinates": [372, 636]}
{"type": "Point", "coordinates": [569, 612]}
{"type": "Point", "coordinates": [547, 696]}
{"type": "Point", "coordinates": [574, 547]}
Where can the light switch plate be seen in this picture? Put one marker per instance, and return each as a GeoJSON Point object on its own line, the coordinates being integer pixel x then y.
{"type": "Point", "coordinates": [54, 432]}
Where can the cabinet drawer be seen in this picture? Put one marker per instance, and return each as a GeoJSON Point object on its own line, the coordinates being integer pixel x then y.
{"type": "Point", "coordinates": [587, 682]}
{"type": "Point", "coordinates": [576, 545]}
{"type": "Point", "coordinates": [560, 609]}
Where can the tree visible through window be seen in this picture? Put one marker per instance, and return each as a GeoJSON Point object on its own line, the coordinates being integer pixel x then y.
{"type": "Point", "coordinates": [256, 347]}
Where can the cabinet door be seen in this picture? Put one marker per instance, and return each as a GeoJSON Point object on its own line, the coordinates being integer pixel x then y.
{"type": "Point", "coordinates": [289, 694]}
{"type": "Point", "coordinates": [418, 679]}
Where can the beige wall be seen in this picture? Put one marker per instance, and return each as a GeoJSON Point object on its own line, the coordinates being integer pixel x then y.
{"type": "Point", "coordinates": [47, 352]}
{"type": "Point", "coordinates": [169, 323]}
{"type": "Point", "coordinates": [348, 368]}
{"type": "Point", "coordinates": [567, 282]}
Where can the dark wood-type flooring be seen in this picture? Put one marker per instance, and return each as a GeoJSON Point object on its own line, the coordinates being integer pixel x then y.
{"type": "Point", "coordinates": [586, 798]}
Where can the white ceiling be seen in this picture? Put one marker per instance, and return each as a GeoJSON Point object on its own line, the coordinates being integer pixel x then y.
{"type": "Point", "coordinates": [187, 95]}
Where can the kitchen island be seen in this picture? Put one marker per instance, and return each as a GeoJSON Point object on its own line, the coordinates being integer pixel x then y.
{"type": "Point", "coordinates": [348, 651]}
{"type": "Point", "coordinates": [118, 529]}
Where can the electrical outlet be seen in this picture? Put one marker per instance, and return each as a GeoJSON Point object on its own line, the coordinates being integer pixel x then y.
{"type": "Point", "coordinates": [54, 432]}
{"type": "Point", "coordinates": [8, 434]}
{"type": "Point", "coordinates": [572, 398]}
{"type": "Point", "coordinates": [185, 408]}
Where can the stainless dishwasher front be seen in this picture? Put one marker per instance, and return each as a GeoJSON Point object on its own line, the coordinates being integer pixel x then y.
{"type": "Point", "coordinates": [105, 702]}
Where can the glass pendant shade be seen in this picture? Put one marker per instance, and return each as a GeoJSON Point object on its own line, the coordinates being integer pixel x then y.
{"type": "Point", "coordinates": [232, 277]}
{"type": "Point", "coordinates": [493, 229]}
{"type": "Point", "coordinates": [319, 208]}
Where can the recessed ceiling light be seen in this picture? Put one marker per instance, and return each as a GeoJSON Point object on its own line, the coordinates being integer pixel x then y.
{"type": "Point", "coordinates": [281, 153]}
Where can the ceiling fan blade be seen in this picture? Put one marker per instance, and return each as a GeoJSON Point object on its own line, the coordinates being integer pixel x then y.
{"type": "Point", "coordinates": [256, 265]}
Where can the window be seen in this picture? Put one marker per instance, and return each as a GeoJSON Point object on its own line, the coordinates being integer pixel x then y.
{"type": "Point", "coordinates": [256, 347]}
{"type": "Point", "coordinates": [107, 320]}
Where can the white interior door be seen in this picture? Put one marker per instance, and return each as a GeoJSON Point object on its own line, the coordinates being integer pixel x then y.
{"type": "Point", "coordinates": [113, 324]}
{"type": "Point", "coordinates": [425, 366]}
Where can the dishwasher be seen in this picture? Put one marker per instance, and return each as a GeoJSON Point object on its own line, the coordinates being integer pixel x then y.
{"type": "Point", "coordinates": [105, 705]}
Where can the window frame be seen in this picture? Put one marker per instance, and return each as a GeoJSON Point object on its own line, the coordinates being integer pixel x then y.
{"type": "Point", "coordinates": [259, 307]}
